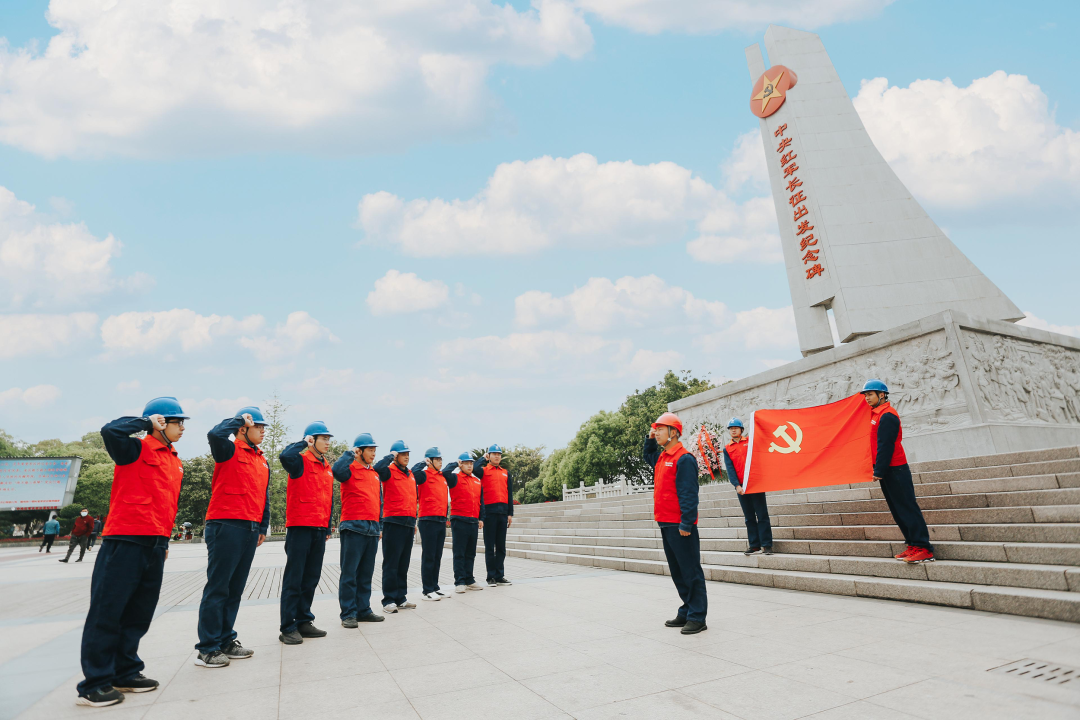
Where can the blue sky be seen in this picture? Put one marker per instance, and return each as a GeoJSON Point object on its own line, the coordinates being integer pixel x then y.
{"type": "Point", "coordinates": [228, 207]}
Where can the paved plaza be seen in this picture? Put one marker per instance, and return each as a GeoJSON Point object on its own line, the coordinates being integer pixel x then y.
{"type": "Point", "coordinates": [564, 641]}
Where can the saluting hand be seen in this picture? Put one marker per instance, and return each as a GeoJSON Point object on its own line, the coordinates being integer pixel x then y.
{"type": "Point", "coordinates": [158, 421]}
{"type": "Point", "coordinates": [652, 433]}
{"type": "Point", "coordinates": [248, 421]}
{"type": "Point", "coordinates": [310, 440]}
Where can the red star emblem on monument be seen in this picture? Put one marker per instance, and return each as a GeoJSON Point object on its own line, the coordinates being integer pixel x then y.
{"type": "Point", "coordinates": [770, 90]}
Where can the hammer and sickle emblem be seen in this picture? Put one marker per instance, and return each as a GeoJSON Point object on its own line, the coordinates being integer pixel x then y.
{"type": "Point", "coordinates": [794, 445]}
{"type": "Point", "coordinates": [768, 90]}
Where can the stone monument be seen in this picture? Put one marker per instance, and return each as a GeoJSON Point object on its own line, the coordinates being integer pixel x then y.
{"type": "Point", "coordinates": [909, 307]}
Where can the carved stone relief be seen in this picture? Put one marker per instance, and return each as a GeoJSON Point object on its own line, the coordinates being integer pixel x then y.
{"type": "Point", "coordinates": [1020, 380]}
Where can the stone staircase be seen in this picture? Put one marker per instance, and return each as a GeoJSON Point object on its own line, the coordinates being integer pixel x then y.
{"type": "Point", "coordinates": [1006, 529]}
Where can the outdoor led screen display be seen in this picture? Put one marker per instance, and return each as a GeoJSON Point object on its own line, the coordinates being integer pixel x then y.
{"type": "Point", "coordinates": [37, 483]}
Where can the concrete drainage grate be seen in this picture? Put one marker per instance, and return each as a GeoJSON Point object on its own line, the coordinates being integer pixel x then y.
{"type": "Point", "coordinates": [1042, 671]}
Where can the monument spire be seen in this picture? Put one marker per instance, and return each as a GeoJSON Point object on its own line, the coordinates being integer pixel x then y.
{"type": "Point", "coordinates": [843, 211]}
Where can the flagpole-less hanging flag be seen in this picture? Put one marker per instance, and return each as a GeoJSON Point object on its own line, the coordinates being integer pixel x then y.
{"type": "Point", "coordinates": [809, 447]}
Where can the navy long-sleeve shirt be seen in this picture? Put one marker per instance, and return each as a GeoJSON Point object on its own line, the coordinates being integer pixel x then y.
{"type": "Point", "coordinates": [450, 472]}
{"type": "Point", "coordinates": [342, 471]}
{"type": "Point", "coordinates": [222, 449]}
{"type": "Point", "coordinates": [686, 483]}
{"type": "Point", "coordinates": [294, 465]}
{"type": "Point", "coordinates": [419, 471]}
{"type": "Point", "coordinates": [888, 430]}
{"type": "Point", "coordinates": [383, 468]}
{"type": "Point", "coordinates": [124, 450]}
{"type": "Point", "coordinates": [506, 508]}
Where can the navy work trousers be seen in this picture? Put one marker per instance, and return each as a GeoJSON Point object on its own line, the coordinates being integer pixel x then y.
{"type": "Point", "coordinates": [397, 542]}
{"type": "Point", "coordinates": [230, 549]}
{"type": "Point", "coordinates": [357, 567]}
{"type": "Point", "coordinates": [464, 543]}
{"type": "Point", "coordinates": [684, 560]}
{"type": "Point", "coordinates": [899, 492]}
{"type": "Point", "coordinates": [304, 550]}
{"type": "Point", "coordinates": [123, 595]}
{"type": "Point", "coordinates": [755, 511]}
{"type": "Point", "coordinates": [432, 541]}
{"type": "Point", "coordinates": [495, 544]}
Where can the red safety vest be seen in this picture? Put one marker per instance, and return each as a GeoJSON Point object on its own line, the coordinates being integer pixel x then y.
{"type": "Point", "coordinates": [465, 496]}
{"type": "Point", "coordinates": [737, 453]}
{"type": "Point", "coordinates": [308, 498]}
{"type": "Point", "coordinates": [145, 493]}
{"type": "Point", "coordinates": [399, 496]}
{"type": "Point", "coordinates": [238, 488]}
{"type": "Point", "coordinates": [495, 490]}
{"type": "Point", "coordinates": [433, 494]}
{"type": "Point", "coordinates": [665, 498]}
{"type": "Point", "coordinates": [360, 498]}
{"type": "Point", "coordinates": [898, 456]}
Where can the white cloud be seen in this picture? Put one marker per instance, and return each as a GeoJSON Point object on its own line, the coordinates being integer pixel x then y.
{"type": "Point", "coordinates": [708, 16]}
{"type": "Point", "coordinates": [734, 233]}
{"type": "Point", "coordinates": [35, 397]}
{"type": "Point", "coordinates": [1040, 324]}
{"type": "Point", "coordinates": [746, 167]}
{"type": "Point", "coordinates": [651, 364]}
{"type": "Point", "coordinates": [148, 332]}
{"type": "Point", "coordinates": [755, 329]}
{"type": "Point", "coordinates": [208, 411]}
{"type": "Point", "coordinates": [25, 335]}
{"type": "Point", "coordinates": [533, 350]}
{"type": "Point", "coordinates": [45, 263]}
{"type": "Point", "coordinates": [971, 146]}
{"type": "Point", "coordinates": [296, 334]}
{"type": "Point", "coordinates": [398, 292]}
{"type": "Point", "coordinates": [602, 304]}
{"type": "Point", "coordinates": [530, 206]}
{"type": "Point", "coordinates": [177, 75]}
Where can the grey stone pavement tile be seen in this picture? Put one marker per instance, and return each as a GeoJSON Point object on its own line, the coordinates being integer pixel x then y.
{"type": "Point", "coordinates": [560, 643]}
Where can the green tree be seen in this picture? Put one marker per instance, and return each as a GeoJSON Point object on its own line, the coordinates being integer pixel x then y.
{"type": "Point", "coordinates": [523, 463]}
{"type": "Point", "coordinates": [195, 491]}
{"type": "Point", "coordinates": [274, 441]}
{"type": "Point", "coordinates": [9, 446]}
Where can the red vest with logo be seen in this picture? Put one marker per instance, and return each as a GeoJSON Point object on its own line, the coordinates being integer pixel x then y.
{"type": "Point", "coordinates": [465, 496]}
{"type": "Point", "coordinates": [495, 490]}
{"type": "Point", "coordinates": [360, 498]}
{"type": "Point", "coordinates": [737, 452]}
{"type": "Point", "coordinates": [145, 493]}
{"type": "Point", "coordinates": [308, 498]}
{"type": "Point", "coordinates": [433, 494]}
{"type": "Point", "coordinates": [898, 456]}
{"type": "Point", "coordinates": [238, 488]}
{"type": "Point", "coordinates": [665, 498]}
{"type": "Point", "coordinates": [399, 493]}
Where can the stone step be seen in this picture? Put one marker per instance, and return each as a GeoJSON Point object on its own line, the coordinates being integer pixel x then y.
{"type": "Point", "coordinates": [1031, 602]}
{"type": "Point", "coordinates": [1015, 458]}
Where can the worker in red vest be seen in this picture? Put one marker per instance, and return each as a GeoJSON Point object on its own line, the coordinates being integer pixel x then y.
{"type": "Point", "coordinates": [236, 523]}
{"type": "Point", "coordinates": [754, 506]}
{"type": "Point", "coordinates": [466, 519]}
{"type": "Point", "coordinates": [399, 526]}
{"type": "Point", "coordinates": [498, 512]}
{"type": "Point", "coordinates": [309, 498]}
{"type": "Point", "coordinates": [359, 528]}
{"type": "Point", "coordinates": [893, 474]}
{"type": "Point", "coordinates": [135, 542]}
{"type": "Point", "coordinates": [675, 507]}
{"type": "Point", "coordinates": [431, 486]}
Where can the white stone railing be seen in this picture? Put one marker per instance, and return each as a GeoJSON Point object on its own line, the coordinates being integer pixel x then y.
{"type": "Point", "coordinates": [618, 488]}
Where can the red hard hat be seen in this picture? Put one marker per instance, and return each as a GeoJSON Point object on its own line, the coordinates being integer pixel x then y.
{"type": "Point", "coordinates": [670, 419]}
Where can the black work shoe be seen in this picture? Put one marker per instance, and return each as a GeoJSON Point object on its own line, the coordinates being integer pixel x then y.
{"type": "Point", "coordinates": [309, 630]}
{"type": "Point", "coordinates": [291, 638]}
{"type": "Point", "coordinates": [766, 551]}
{"type": "Point", "coordinates": [139, 683]}
{"type": "Point", "coordinates": [693, 627]}
{"type": "Point", "coordinates": [503, 581]}
{"type": "Point", "coordinates": [101, 697]}
{"type": "Point", "coordinates": [751, 551]}
{"type": "Point", "coordinates": [677, 622]}
{"type": "Point", "coordinates": [236, 651]}
{"type": "Point", "coordinates": [212, 659]}
{"type": "Point", "coordinates": [492, 582]}
{"type": "Point", "coordinates": [349, 622]}
{"type": "Point", "coordinates": [370, 617]}
{"type": "Point", "coordinates": [65, 560]}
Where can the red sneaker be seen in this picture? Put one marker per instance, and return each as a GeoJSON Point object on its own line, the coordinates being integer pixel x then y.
{"type": "Point", "coordinates": [920, 555]}
{"type": "Point", "coordinates": [907, 551]}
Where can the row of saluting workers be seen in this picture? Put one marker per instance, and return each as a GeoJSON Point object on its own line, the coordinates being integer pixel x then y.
{"type": "Point", "coordinates": [387, 500]}
{"type": "Point", "coordinates": [379, 499]}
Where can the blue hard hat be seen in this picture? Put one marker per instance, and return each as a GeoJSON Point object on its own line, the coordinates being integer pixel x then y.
{"type": "Point", "coordinates": [432, 452]}
{"type": "Point", "coordinates": [875, 385]}
{"type": "Point", "coordinates": [168, 407]}
{"type": "Point", "coordinates": [364, 440]}
{"type": "Point", "coordinates": [465, 457]}
{"type": "Point", "coordinates": [495, 448]}
{"type": "Point", "coordinates": [735, 422]}
{"type": "Point", "coordinates": [317, 428]}
{"type": "Point", "coordinates": [399, 446]}
{"type": "Point", "coordinates": [254, 412]}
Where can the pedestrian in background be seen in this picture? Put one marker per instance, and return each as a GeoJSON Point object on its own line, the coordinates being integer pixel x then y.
{"type": "Point", "coordinates": [80, 535]}
{"type": "Point", "coordinates": [98, 524]}
{"type": "Point", "coordinates": [52, 529]}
